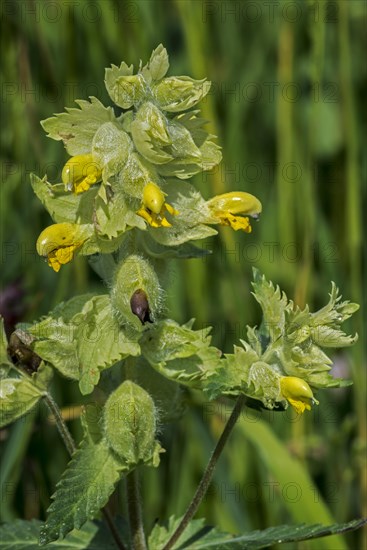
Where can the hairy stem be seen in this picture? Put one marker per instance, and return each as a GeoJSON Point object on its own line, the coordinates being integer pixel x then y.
{"type": "Point", "coordinates": [71, 448]}
{"type": "Point", "coordinates": [208, 474]}
{"type": "Point", "coordinates": [135, 514]}
{"type": "Point", "coordinates": [61, 426]}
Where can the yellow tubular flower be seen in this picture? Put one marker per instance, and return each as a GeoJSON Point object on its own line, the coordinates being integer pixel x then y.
{"type": "Point", "coordinates": [154, 207]}
{"type": "Point", "coordinates": [59, 242]}
{"type": "Point", "coordinates": [234, 209]}
{"type": "Point", "coordinates": [80, 172]}
{"type": "Point", "coordinates": [298, 393]}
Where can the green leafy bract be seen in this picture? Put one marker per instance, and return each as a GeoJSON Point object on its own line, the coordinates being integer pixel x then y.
{"type": "Point", "coordinates": [150, 134]}
{"type": "Point", "coordinates": [179, 93]}
{"type": "Point", "coordinates": [77, 127]}
{"type": "Point", "coordinates": [180, 353]}
{"type": "Point", "coordinates": [157, 66]}
{"type": "Point", "coordinates": [83, 344]}
{"type": "Point", "coordinates": [190, 223]}
{"type": "Point", "coordinates": [288, 343]}
{"type": "Point", "coordinates": [62, 205]}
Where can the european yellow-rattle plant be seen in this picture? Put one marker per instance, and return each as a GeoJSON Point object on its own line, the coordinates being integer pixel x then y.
{"type": "Point", "coordinates": [125, 201]}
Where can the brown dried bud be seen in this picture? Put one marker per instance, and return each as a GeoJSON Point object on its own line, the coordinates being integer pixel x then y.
{"type": "Point", "coordinates": [21, 354]}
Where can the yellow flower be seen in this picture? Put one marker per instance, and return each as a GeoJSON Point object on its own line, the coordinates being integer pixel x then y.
{"type": "Point", "coordinates": [59, 242]}
{"type": "Point", "coordinates": [154, 207]}
{"type": "Point", "coordinates": [297, 392]}
{"type": "Point", "coordinates": [234, 208]}
{"type": "Point", "coordinates": [80, 172]}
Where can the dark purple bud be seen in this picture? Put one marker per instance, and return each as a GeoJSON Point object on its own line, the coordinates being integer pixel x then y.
{"type": "Point", "coordinates": [140, 306]}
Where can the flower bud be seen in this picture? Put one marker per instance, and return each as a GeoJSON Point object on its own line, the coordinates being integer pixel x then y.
{"type": "Point", "coordinates": [150, 134]}
{"type": "Point", "coordinates": [128, 90]}
{"type": "Point", "coordinates": [130, 424]}
{"type": "Point", "coordinates": [178, 93]}
{"type": "Point", "coordinates": [136, 294]}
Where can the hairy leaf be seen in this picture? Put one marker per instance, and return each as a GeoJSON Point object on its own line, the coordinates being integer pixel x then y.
{"type": "Point", "coordinates": [111, 148]}
{"type": "Point", "coordinates": [62, 205]}
{"type": "Point", "coordinates": [76, 127]}
{"type": "Point", "coordinates": [17, 397]}
{"type": "Point", "coordinates": [83, 490]}
{"type": "Point", "coordinates": [157, 66]}
{"type": "Point", "coordinates": [100, 341]}
{"type": "Point", "coordinates": [199, 537]}
{"type": "Point", "coordinates": [24, 535]}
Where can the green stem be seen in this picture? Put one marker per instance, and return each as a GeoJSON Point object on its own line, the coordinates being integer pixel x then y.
{"type": "Point", "coordinates": [208, 474]}
{"type": "Point", "coordinates": [71, 448]}
{"type": "Point", "coordinates": [61, 426]}
{"type": "Point", "coordinates": [135, 513]}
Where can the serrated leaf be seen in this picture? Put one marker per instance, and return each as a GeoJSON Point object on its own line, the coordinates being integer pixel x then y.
{"type": "Point", "coordinates": [82, 491]}
{"type": "Point", "coordinates": [130, 425]}
{"type": "Point", "coordinates": [273, 303]}
{"type": "Point", "coordinates": [158, 64]}
{"type": "Point", "coordinates": [65, 206]}
{"type": "Point", "coordinates": [24, 535]}
{"type": "Point", "coordinates": [82, 337]}
{"type": "Point", "coordinates": [67, 310]}
{"type": "Point", "coordinates": [55, 343]}
{"type": "Point", "coordinates": [115, 217]}
{"type": "Point", "coordinates": [254, 339]}
{"type": "Point", "coordinates": [335, 312]}
{"type": "Point", "coordinates": [17, 397]}
{"type": "Point", "coordinates": [232, 375]}
{"type": "Point", "coordinates": [328, 337]}
{"type": "Point", "coordinates": [199, 537]}
{"type": "Point", "coordinates": [77, 127]}
{"type": "Point", "coordinates": [167, 340]}
{"type": "Point", "coordinates": [179, 353]}
{"type": "Point", "coordinates": [100, 341]}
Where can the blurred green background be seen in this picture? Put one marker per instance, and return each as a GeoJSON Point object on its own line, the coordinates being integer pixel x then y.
{"type": "Point", "coordinates": [288, 106]}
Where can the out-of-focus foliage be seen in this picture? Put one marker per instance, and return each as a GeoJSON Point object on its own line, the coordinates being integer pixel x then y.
{"type": "Point", "coordinates": [287, 104]}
